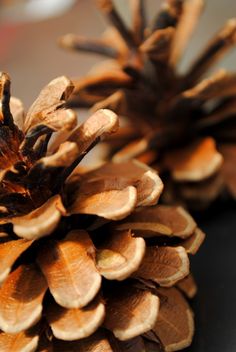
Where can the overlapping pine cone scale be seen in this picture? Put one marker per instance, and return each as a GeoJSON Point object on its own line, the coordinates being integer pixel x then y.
{"type": "Point", "coordinates": [89, 262]}
{"type": "Point", "coordinates": [182, 124]}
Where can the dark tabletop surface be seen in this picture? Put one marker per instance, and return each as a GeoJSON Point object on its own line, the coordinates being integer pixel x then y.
{"type": "Point", "coordinates": [214, 268]}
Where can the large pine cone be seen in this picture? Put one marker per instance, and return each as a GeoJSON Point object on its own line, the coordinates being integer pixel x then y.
{"type": "Point", "coordinates": [85, 264]}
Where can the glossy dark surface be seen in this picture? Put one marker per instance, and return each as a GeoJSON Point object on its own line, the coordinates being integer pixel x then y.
{"type": "Point", "coordinates": [215, 271]}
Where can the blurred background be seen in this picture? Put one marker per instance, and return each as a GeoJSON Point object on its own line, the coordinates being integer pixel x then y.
{"type": "Point", "coordinates": [29, 53]}
{"type": "Point", "coordinates": [29, 31]}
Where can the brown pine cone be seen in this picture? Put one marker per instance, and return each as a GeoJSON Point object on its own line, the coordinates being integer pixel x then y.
{"type": "Point", "coordinates": [183, 124]}
{"type": "Point", "coordinates": [85, 265]}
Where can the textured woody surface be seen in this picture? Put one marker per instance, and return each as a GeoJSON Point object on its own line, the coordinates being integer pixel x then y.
{"type": "Point", "coordinates": [21, 297]}
{"type": "Point", "coordinates": [71, 274]}
{"type": "Point", "coordinates": [25, 341]}
{"type": "Point", "coordinates": [131, 312]}
{"type": "Point", "coordinates": [74, 324]}
{"type": "Point", "coordinates": [9, 252]}
{"type": "Point", "coordinates": [77, 275]}
{"type": "Point", "coordinates": [165, 265]}
{"type": "Point", "coordinates": [120, 255]}
{"type": "Point", "coordinates": [178, 336]}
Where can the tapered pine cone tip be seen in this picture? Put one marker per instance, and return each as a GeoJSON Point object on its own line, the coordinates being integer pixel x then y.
{"type": "Point", "coordinates": [88, 260]}
{"type": "Point", "coordinates": [182, 124]}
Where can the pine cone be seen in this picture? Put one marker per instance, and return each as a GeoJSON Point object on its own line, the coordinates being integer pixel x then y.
{"type": "Point", "coordinates": [85, 265]}
{"type": "Point", "coordinates": [181, 123]}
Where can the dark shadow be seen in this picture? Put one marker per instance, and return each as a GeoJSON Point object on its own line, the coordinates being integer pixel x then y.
{"type": "Point", "coordinates": [214, 268]}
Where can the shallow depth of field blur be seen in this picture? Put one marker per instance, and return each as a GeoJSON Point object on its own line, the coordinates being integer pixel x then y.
{"type": "Point", "coordinates": [30, 54]}
{"type": "Point", "coordinates": [29, 50]}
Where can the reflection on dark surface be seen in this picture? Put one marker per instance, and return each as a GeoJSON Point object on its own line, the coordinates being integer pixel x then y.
{"type": "Point", "coordinates": [215, 271]}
